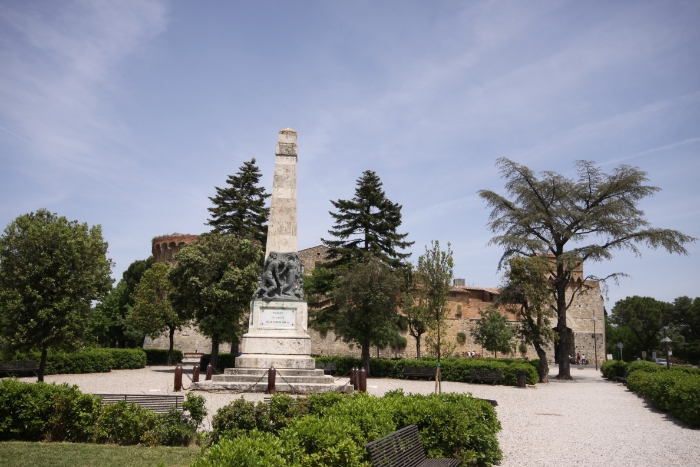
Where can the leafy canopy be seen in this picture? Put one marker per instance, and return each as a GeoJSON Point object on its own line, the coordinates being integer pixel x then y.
{"type": "Point", "coordinates": [239, 209]}
{"type": "Point", "coordinates": [574, 220]}
{"type": "Point", "coordinates": [493, 331]}
{"type": "Point", "coordinates": [214, 279]}
{"type": "Point", "coordinates": [51, 270]}
{"type": "Point", "coordinates": [153, 312]}
{"type": "Point", "coordinates": [367, 226]}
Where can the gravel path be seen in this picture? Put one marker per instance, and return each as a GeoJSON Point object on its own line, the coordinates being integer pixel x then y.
{"type": "Point", "coordinates": [585, 422]}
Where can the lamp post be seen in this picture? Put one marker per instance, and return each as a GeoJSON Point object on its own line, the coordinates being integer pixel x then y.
{"type": "Point", "coordinates": [620, 346]}
{"type": "Point", "coordinates": [595, 343]}
{"type": "Point", "coordinates": [666, 340]}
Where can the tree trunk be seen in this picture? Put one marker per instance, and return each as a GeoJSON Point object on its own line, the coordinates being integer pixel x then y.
{"type": "Point", "coordinates": [42, 366]}
{"type": "Point", "coordinates": [564, 364]}
{"type": "Point", "coordinates": [544, 367]}
{"type": "Point", "coordinates": [170, 349]}
{"type": "Point", "coordinates": [214, 352]}
{"type": "Point", "coordinates": [365, 358]}
{"type": "Point", "coordinates": [438, 335]}
{"type": "Point", "coordinates": [417, 347]}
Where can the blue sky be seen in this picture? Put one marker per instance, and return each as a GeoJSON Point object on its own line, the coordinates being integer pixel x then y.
{"type": "Point", "coordinates": [128, 114]}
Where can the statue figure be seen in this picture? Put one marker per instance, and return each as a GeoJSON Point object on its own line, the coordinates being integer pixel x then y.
{"type": "Point", "coordinates": [282, 278]}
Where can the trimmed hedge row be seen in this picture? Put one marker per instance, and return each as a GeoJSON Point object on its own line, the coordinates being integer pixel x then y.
{"type": "Point", "coordinates": [676, 392]}
{"type": "Point", "coordinates": [50, 412]}
{"type": "Point", "coordinates": [89, 360]}
{"type": "Point", "coordinates": [160, 356]}
{"type": "Point", "coordinates": [331, 429]}
{"type": "Point", "coordinates": [452, 369]}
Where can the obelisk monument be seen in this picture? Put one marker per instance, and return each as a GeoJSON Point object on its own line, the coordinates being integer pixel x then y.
{"type": "Point", "coordinates": [277, 332]}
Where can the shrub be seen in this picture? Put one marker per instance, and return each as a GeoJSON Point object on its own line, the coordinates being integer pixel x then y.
{"type": "Point", "coordinates": [225, 360]}
{"type": "Point", "coordinates": [643, 365]}
{"type": "Point", "coordinates": [124, 424]}
{"type": "Point", "coordinates": [452, 369]}
{"type": "Point", "coordinates": [34, 412]}
{"type": "Point", "coordinates": [676, 392]}
{"type": "Point", "coordinates": [160, 356]}
{"type": "Point", "coordinates": [331, 429]}
{"type": "Point", "coordinates": [239, 417]}
{"type": "Point", "coordinates": [126, 359]}
{"type": "Point", "coordinates": [256, 449]}
{"type": "Point", "coordinates": [613, 368]}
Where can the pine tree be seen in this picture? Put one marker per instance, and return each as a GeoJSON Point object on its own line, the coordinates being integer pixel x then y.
{"type": "Point", "coordinates": [239, 209]}
{"type": "Point", "coordinates": [366, 226]}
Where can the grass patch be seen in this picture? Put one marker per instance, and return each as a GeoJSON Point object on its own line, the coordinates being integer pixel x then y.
{"type": "Point", "coordinates": [19, 453]}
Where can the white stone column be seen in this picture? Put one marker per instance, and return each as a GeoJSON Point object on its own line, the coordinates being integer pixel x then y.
{"type": "Point", "coordinates": [282, 229]}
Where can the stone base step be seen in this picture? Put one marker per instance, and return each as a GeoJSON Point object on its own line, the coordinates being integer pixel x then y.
{"type": "Point", "coordinates": [284, 372]}
{"type": "Point", "coordinates": [290, 379]}
{"type": "Point", "coordinates": [302, 388]}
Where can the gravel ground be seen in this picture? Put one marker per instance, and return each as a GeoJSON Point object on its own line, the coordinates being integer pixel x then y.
{"type": "Point", "coordinates": [586, 422]}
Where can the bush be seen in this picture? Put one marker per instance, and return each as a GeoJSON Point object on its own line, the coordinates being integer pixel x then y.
{"type": "Point", "coordinates": [160, 356]}
{"type": "Point", "coordinates": [613, 368]}
{"type": "Point", "coordinates": [225, 360]}
{"type": "Point", "coordinates": [40, 411]}
{"type": "Point", "coordinates": [643, 365]}
{"type": "Point", "coordinates": [256, 449]}
{"type": "Point", "coordinates": [88, 360]}
{"type": "Point", "coordinates": [34, 412]}
{"type": "Point", "coordinates": [676, 392]}
{"type": "Point", "coordinates": [331, 429]}
{"type": "Point", "coordinates": [452, 369]}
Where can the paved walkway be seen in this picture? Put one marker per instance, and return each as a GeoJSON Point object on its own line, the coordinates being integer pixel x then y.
{"type": "Point", "coordinates": [586, 422]}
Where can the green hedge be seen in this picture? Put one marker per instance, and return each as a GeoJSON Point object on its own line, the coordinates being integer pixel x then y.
{"type": "Point", "coordinates": [160, 356]}
{"type": "Point", "coordinates": [50, 412]}
{"type": "Point", "coordinates": [89, 360]}
{"type": "Point", "coordinates": [676, 392]}
{"type": "Point", "coordinates": [613, 368]}
{"type": "Point", "coordinates": [225, 360]}
{"type": "Point", "coordinates": [452, 369]}
{"type": "Point", "coordinates": [331, 429]}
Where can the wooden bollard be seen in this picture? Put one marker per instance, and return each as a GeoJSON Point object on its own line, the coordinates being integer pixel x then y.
{"type": "Point", "coordinates": [210, 370]}
{"type": "Point", "coordinates": [195, 374]}
{"type": "Point", "coordinates": [271, 374]}
{"type": "Point", "coordinates": [178, 378]}
{"type": "Point", "coordinates": [362, 380]}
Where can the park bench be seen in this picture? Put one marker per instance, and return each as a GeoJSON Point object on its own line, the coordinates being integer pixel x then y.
{"type": "Point", "coordinates": [156, 403]}
{"type": "Point", "coordinates": [419, 371]}
{"type": "Point", "coordinates": [403, 448]}
{"type": "Point", "coordinates": [19, 366]}
{"type": "Point", "coordinates": [486, 375]}
{"type": "Point", "coordinates": [621, 379]}
{"type": "Point", "coordinates": [327, 367]}
{"type": "Point", "coordinates": [193, 354]}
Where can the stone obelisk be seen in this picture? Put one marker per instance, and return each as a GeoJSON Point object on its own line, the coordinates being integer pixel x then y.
{"type": "Point", "coordinates": [277, 333]}
{"type": "Point", "coordinates": [282, 228]}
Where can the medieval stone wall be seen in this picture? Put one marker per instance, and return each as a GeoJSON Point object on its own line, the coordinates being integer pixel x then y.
{"type": "Point", "coordinates": [311, 257]}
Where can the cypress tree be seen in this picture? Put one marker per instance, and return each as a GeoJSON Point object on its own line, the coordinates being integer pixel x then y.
{"type": "Point", "coordinates": [366, 226]}
{"type": "Point", "coordinates": [239, 209]}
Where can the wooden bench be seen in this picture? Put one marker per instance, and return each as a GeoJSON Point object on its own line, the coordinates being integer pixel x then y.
{"type": "Point", "coordinates": [403, 448]}
{"type": "Point", "coordinates": [486, 375]}
{"type": "Point", "coordinates": [19, 366]}
{"type": "Point", "coordinates": [193, 354]}
{"type": "Point", "coordinates": [419, 371]}
{"type": "Point", "coordinates": [156, 403]}
{"type": "Point", "coordinates": [621, 379]}
{"type": "Point", "coordinates": [327, 367]}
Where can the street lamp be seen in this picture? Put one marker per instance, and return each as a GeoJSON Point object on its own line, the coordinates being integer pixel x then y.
{"type": "Point", "coordinates": [595, 343]}
{"type": "Point", "coordinates": [666, 340]}
{"type": "Point", "coordinates": [620, 346]}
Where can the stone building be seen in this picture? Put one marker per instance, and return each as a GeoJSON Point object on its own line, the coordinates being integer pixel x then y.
{"type": "Point", "coordinates": [464, 303]}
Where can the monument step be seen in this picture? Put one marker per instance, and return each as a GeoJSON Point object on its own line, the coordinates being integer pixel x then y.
{"type": "Point", "coordinates": [285, 373]}
{"type": "Point", "coordinates": [302, 388]}
{"type": "Point", "coordinates": [290, 379]}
